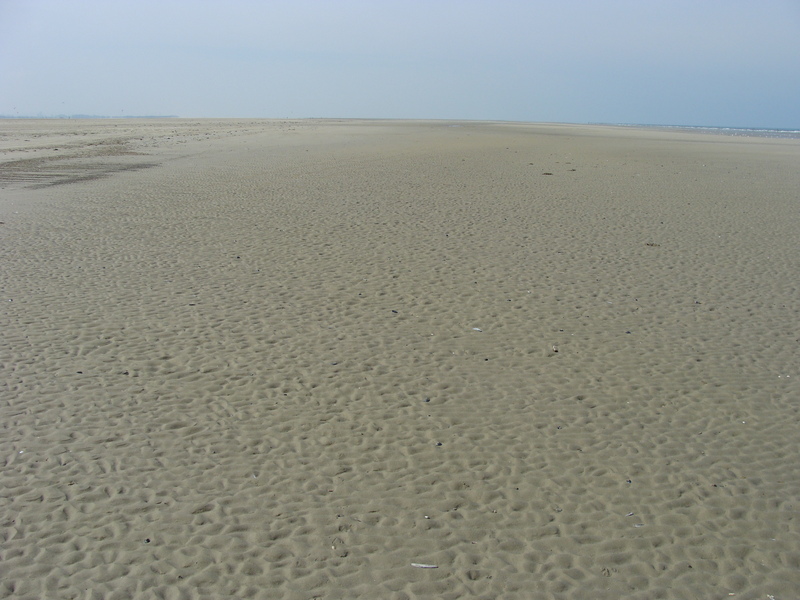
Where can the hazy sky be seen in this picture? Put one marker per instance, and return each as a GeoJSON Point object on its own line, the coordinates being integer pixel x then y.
{"type": "Point", "coordinates": [692, 62]}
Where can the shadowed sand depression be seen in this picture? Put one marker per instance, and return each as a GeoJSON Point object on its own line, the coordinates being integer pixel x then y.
{"type": "Point", "coordinates": [288, 359]}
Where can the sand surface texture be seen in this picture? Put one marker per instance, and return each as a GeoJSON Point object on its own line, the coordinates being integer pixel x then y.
{"type": "Point", "coordinates": [275, 359]}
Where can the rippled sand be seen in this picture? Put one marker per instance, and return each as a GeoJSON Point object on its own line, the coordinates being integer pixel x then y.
{"type": "Point", "coordinates": [291, 359]}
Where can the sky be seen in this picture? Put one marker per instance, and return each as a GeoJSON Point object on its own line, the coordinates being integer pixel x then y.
{"type": "Point", "coordinates": [722, 63]}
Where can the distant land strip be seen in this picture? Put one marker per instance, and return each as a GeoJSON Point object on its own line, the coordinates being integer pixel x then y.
{"type": "Point", "coordinates": [88, 117]}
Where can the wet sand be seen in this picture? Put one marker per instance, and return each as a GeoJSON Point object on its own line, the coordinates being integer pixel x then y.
{"type": "Point", "coordinates": [293, 359]}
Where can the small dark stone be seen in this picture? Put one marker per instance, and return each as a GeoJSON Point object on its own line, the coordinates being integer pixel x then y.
{"type": "Point", "coordinates": [394, 311]}
{"type": "Point", "coordinates": [147, 541]}
{"type": "Point", "coordinates": [438, 443]}
{"type": "Point", "coordinates": [427, 399]}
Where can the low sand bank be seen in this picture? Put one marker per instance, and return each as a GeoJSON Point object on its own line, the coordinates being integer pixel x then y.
{"type": "Point", "coordinates": [288, 359]}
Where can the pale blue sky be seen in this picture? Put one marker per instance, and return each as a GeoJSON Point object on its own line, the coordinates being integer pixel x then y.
{"type": "Point", "coordinates": [680, 62]}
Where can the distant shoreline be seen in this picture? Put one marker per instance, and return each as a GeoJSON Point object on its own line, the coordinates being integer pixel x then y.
{"type": "Point", "coordinates": [736, 131]}
{"type": "Point", "coordinates": [769, 132]}
{"type": "Point", "coordinates": [89, 117]}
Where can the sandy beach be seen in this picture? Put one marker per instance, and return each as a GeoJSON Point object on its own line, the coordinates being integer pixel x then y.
{"type": "Point", "coordinates": [308, 359]}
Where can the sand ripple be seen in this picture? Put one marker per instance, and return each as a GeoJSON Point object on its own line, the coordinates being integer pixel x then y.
{"type": "Point", "coordinates": [252, 369]}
